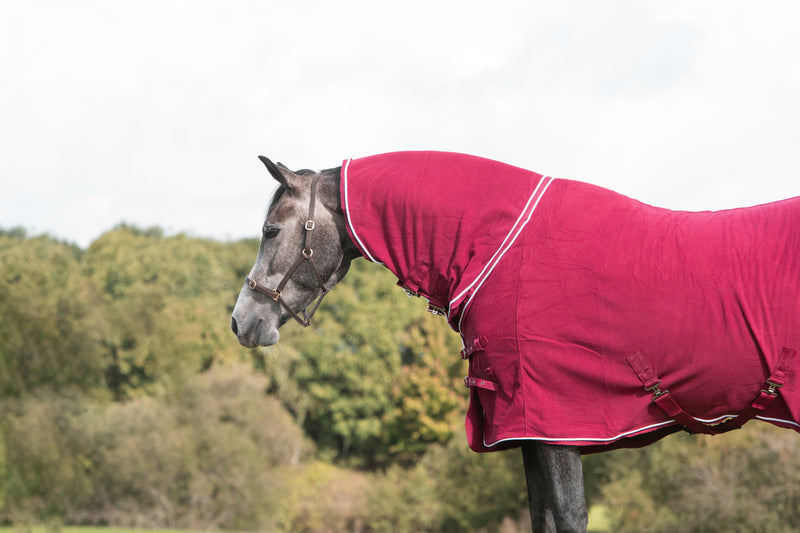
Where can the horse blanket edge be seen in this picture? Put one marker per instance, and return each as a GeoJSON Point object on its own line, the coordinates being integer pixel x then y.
{"type": "Point", "coordinates": [554, 284]}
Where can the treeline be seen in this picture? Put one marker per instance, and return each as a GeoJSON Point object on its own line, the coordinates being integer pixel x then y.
{"type": "Point", "coordinates": [125, 400]}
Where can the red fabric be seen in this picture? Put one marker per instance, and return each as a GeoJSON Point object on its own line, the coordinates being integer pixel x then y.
{"type": "Point", "coordinates": [562, 281]}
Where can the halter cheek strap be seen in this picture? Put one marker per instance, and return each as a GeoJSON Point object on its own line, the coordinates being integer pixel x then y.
{"type": "Point", "coordinates": [306, 254]}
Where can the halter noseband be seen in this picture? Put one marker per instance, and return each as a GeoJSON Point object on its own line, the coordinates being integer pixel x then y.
{"type": "Point", "coordinates": [306, 254]}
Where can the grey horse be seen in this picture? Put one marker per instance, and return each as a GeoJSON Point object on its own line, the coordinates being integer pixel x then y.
{"type": "Point", "coordinates": [305, 250]}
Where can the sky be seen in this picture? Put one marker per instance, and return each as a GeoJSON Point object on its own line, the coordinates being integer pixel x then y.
{"type": "Point", "coordinates": [152, 113]}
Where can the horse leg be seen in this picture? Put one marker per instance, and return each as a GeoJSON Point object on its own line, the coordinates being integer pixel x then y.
{"type": "Point", "coordinates": [555, 488]}
{"type": "Point", "coordinates": [541, 515]}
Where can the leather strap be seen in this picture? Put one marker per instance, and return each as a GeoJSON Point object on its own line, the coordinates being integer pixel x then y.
{"type": "Point", "coordinates": [306, 254]}
{"type": "Point", "coordinates": [766, 395]}
{"type": "Point", "coordinates": [480, 383]}
{"type": "Point", "coordinates": [477, 344]}
{"type": "Point", "coordinates": [647, 375]}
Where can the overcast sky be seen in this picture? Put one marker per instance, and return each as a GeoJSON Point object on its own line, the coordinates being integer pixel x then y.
{"type": "Point", "coordinates": [153, 112]}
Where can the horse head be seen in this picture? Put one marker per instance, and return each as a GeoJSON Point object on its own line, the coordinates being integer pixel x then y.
{"type": "Point", "coordinates": [304, 251]}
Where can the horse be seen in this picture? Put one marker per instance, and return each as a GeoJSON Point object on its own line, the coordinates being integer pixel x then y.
{"type": "Point", "coordinates": [590, 321]}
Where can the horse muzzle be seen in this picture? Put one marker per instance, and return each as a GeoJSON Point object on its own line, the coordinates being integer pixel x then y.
{"type": "Point", "coordinates": [259, 335]}
{"type": "Point", "coordinates": [252, 325]}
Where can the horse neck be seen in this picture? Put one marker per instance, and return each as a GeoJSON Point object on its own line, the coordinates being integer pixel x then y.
{"type": "Point", "coordinates": [330, 195]}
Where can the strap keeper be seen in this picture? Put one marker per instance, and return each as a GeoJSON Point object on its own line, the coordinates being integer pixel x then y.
{"type": "Point", "coordinates": [480, 383]}
{"type": "Point", "coordinates": [478, 344]}
{"type": "Point", "coordinates": [644, 371]}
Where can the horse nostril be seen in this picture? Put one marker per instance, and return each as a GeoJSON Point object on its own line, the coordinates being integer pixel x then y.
{"type": "Point", "coordinates": [234, 327]}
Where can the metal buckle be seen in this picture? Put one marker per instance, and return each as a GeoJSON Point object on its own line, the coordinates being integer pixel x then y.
{"type": "Point", "coordinates": [309, 225]}
{"type": "Point", "coordinates": [438, 311]}
{"type": "Point", "coordinates": [656, 390]}
{"type": "Point", "coordinates": [252, 284]}
{"type": "Point", "coordinates": [773, 387]}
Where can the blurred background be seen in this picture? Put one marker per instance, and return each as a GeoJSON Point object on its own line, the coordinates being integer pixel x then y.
{"type": "Point", "coordinates": [131, 197]}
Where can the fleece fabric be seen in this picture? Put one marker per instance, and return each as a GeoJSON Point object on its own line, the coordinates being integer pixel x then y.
{"type": "Point", "coordinates": [578, 305]}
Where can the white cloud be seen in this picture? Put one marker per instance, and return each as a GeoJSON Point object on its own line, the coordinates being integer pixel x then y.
{"type": "Point", "coordinates": [153, 112]}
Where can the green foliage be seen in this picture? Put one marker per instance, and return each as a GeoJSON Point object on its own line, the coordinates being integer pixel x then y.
{"type": "Point", "coordinates": [149, 284]}
{"type": "Point", "coordinates": [45, 457]}
{"type": "Point", "coordinates": [48, 318]}
{"type": "Point", "coordinates": [323, 497]}
{"type": "Point", "coordinates": [56, 528]}
{"type": "Point", "coordinates": [218, 454]}
{"type": "Point", "coordinates": [106, 318]}
{"type": "Point", "coordinates": [378, 378]}
{"type": "Point", "coordinates": [477, 490]}
{"type": "Point", "coordinates": [4, 471]}
{"type": "Point", "coordinates": [744, 481]}
{"type": "Point", "coordinates": [15, 233]}
{"type": "Point", "coordinates": [450, 489]}
{"type": "Point", "coordinates": [124, 400]}
{"type": "Point", "coordinates": [405, 499]}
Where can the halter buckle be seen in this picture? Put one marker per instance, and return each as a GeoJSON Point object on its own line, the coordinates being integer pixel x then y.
{"type": "Point", "coordinates": [309, 225]}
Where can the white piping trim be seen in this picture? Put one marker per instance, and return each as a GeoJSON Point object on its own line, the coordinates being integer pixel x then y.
{"type": "Point", "coordinates": [642, 430]}
{"type": "Point", "coordinates": [491, 260]}
{"type": "Point", "coordinates": [714, 420]}
{"type": "Point", "coordinates": [502, 250]}
{"type": "Point", "coordinates": [361, 244]}
{"type": "Point", "coordinates": [774, 420]}
{"type": "Point", "coordinates": [645, 429]}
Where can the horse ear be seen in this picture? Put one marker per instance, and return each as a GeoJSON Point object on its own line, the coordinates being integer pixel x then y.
{"type": "Point", "coordinates": [279, 172]}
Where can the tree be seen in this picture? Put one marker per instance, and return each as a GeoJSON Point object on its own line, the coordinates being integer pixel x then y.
{"type": "Point", "coordinates": [48, 317]}
{"type": "Point", "coordinates": [45, 475]}
{"type": "Point", "coordinates": [217, 454]}
{"type": "Point", "coordinates": [743, 481]}
{"type": "Point", "coordinates": [376, 379]}
{"type": "Point", "coordinates": [166, 304]}
{"type": "Point", "coordinates": [476, 491]}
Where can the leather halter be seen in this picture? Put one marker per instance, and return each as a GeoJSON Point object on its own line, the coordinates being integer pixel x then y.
{"type": "Point", "coordinates": [306, 254]}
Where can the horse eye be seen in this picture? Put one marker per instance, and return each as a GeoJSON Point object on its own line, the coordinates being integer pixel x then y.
{"type": "Point", "coordinates": [270, 232]}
